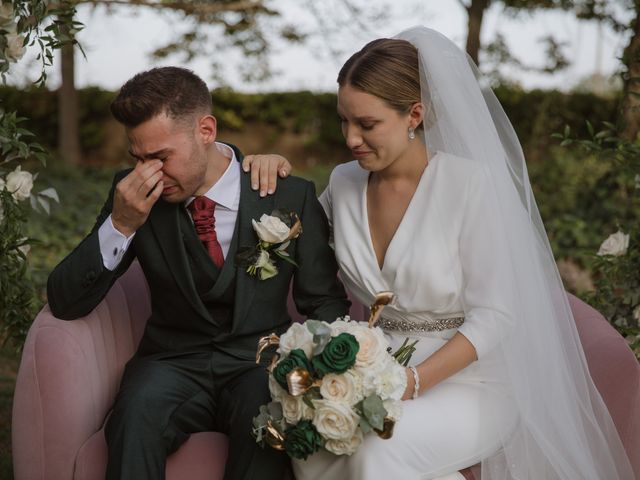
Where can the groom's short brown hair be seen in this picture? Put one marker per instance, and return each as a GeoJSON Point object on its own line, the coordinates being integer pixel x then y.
{"type": "Point", "coordinates": [174, 91]}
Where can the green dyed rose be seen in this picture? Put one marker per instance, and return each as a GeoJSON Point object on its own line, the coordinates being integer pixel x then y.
{"type": "Point", "coordinates": [297, 358]}
{"type": "Point", "coordinates": [338, 356]}
{"type": "Point", "coordinates": [302, 440]}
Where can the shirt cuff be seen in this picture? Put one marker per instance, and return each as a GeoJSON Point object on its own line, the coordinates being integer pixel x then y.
{"type": "Point", "coordinates": [113, 244]}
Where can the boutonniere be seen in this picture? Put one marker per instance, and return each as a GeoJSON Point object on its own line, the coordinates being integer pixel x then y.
{"type": "Point", "coordinates": [275, 232]}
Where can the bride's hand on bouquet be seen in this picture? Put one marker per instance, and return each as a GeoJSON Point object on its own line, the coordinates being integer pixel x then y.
{"type": "Point", "coordinates": [265, 170]}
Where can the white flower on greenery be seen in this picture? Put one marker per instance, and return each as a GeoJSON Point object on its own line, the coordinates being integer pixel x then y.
{"type": "Point", "coordinates": [294, 409]}
{"type": "Point", "coordinates": [345, 447]}
{"type": "Point", "coordinates": [271, 229]}
{"type": "Point", "coordinates": [24, 248]}
{"type": "Point", "coordinates": [15, 47]}
{"type": "Point", "coordinates": [266, 265]}
{"type": "Point", "coordinates": [19, 183]}
{"type": "Point", "coordinates": [343, 388]}
{"type": "Point", "coordinates": [334, 420]}
{"type": "Point", "coordinates": [297, 336]}
{"type": "Point", "coordinates": [636, 314]}
{"type": "Point", "coordinates": [616, 245]}
{"type": "Point", "coordinates": [1, 213]}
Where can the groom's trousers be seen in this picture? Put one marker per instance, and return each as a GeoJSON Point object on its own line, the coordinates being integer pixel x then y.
{"type": "Point", "coordinates": [164, 398]}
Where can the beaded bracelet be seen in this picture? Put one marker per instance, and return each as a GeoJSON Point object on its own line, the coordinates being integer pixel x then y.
{"type": "Point", "coordinates": [416, 382]}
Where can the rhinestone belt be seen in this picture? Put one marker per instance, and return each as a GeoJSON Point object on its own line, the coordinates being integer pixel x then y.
{"type": "Point", "coordinates": [408, 326]}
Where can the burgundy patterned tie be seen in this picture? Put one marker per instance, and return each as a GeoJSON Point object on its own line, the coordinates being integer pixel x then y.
{"type": "Point", "coordinates": [201, 210]}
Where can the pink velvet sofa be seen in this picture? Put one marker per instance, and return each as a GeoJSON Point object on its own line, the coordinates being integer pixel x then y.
{"type": "Point", "coordinates": [70, 371]}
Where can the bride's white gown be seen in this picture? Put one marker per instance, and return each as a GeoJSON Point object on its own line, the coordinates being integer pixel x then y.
{"type": "Point", "coordinates": [443, 262]}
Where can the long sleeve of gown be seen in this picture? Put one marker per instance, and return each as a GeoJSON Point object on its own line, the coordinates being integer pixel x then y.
{"type": "Point", "coordinates": [488, 295]}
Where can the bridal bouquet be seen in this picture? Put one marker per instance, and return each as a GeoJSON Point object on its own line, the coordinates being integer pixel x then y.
{"type": "Point", "coordinates": [331, 385]}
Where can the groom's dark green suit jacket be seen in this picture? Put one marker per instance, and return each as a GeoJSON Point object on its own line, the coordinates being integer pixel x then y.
{"type": "Point", "coordinates": [231, 311]}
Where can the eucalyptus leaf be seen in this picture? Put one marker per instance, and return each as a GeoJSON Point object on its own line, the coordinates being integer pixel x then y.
{"type": "Point", "coordinates": [373, 410]}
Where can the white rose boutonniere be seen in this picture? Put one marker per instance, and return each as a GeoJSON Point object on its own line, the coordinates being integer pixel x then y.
{"type": "Point", "coordinates": [275, 232]}
{"type": "Point", "coordinates": [616, 245]}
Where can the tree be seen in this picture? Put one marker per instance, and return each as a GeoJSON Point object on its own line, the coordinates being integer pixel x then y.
{"type": "Point", "coordinates": [475, 14]}
{"type": "Point", "coordinates": [240, 24]}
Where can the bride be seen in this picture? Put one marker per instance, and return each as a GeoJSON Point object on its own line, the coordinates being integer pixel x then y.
{"type": "Point", "coordinates": [437, 207]}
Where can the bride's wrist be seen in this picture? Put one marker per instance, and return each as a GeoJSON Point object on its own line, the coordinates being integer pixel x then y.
{"type": "Point", "coordinates": [416, 382]}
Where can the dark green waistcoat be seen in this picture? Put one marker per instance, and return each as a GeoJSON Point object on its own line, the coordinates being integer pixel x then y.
{"type": "Point", "coordinates": [216, 287]}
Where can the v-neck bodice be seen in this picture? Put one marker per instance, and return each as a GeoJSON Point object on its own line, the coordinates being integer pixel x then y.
{"type": "Point", "coordinates": [407, 216]}
{"type": "Point", "coordinates": [421, 264]}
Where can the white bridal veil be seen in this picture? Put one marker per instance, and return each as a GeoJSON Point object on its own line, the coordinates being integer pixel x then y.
{"type": "Point", "coordinates": [564, 429]}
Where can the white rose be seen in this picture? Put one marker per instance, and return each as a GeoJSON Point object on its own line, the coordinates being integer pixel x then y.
{"type": "Point", "coordinates": [636, 313]}
{"type": "Point", "coordinates": [344, 388]}
{"type": "Point", "coordinates": [393, 408]}
{"type": "Point", "coordinates": [294, 409]}
{"type": "Point", "coordinates": [15, 48]}
{"type": "Point", "coordinates": [390, 381]}
{"type": "Point", "coordinates": [335, 420]}
{"type": "Point", "coordinates": [297, 336]}
{"type": "Point", "coordinates": [19, 183]}
{"type": "Point", "coordinates": [617, 244]}
{"type": "Point", "coordinates": [271, 229]}
{"type": "Point", "coordinates": [340, 326]}
{"type": "Point", "coordinates": [24, 249]}
{"type": "Point", "coordinates": [345, 447]}
{"type": "Point", "coordinates": [373, 347]}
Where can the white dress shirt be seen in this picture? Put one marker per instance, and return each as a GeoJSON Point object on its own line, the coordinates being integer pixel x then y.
{"type": "Point", "coordinates": [225, 192]}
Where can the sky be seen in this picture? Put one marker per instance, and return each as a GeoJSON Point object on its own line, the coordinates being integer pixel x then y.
{"type": "Point", "coordinates": [118, 45]}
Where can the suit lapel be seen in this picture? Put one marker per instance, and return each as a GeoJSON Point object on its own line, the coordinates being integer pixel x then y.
{"type": "Point", "coordinates": [166, 228]}
{"type": "Point", "coordinates": [252, 206]}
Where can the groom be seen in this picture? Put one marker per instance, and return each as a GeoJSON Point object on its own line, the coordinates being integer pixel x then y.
{"type": "Point", "coordinates": [183, 212]}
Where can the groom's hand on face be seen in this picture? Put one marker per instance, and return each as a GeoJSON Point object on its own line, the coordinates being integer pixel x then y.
{"type": "Point", "coordinates": [134, 196]}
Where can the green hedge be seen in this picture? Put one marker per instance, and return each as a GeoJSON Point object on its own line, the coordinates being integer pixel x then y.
{"type": "Point", "coordinates": [535, 115]}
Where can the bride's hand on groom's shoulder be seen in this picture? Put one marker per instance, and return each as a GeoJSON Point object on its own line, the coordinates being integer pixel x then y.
{"type": "Point", "coordinates": [265, 170]}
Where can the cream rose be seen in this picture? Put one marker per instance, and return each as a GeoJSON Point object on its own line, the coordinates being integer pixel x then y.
{"type": "Point", "coordinates": [373, 347]}
{"type": "Point", "coordinates": [297, 336]}
{"type": "Point", "coordinates": [342, 388]}
{"type": "Point", "coordinates": [19, 183]}
{"type": "Point", "coordinates": [616, 245]}
{"type": "Point", "coordinates": [15, 48]}
{"type": "Point", "coordinates": [294, 409]}
{"type": "Point", "coordinates": [335, 420]}
{"type": "Point", "coordinates": [271, 229]}
{"type": "Point", "coordinates": [345, 447]}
